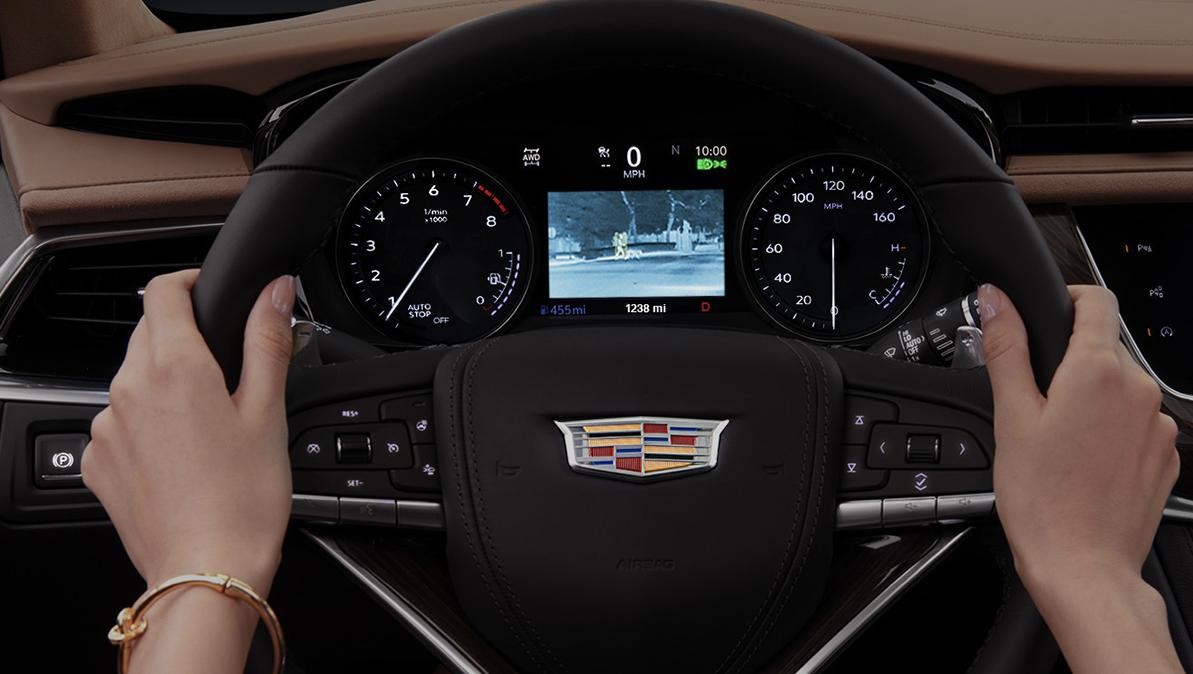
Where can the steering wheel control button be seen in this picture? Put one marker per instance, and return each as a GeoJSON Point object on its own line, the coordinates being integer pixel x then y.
{"type": "Point", "coordinates": [859, 514]}
{"type": "Point", "coordinates": [58, 457]}
{"type": "Point", "coordinates": [420, 515]}
{"type": "Point", "coordinates": [353, 448]}
{"type": "Point", "coordinates": [888, 447]}
{"type": "Point", "coordinates": [922, 448]}
{"type": "Point", "coordinates": [959, 449]}
{"type": "Point", "coordinates": [381, 512]}
{"type": "Point", "coordinates": [348, 412]}
{"type": "Point", "coordinates": [315, 448]}
{"type": "Point", "coordinates": [931, 447]}
{"type": "Point", "coordinates": [964, 506]}
{"type": "Point", "coordinates": [855, 476]}
{"type": "Point", "coordinates": [914, 482]}
{"type": "Point", "coordinates": [424, 476]}
{"type": "Point", "coordinates": [358, 483]}
{"type": "Point", "coordinates": [896, 511]}
{"type": "Point", "coordinates": [416, 411]}
{"type": "Point", "coordinates": [391, 446]}
{"type": "Point", "coordinates": [861, 414]}
{"type": "Point", "coordinates": [315, 508]}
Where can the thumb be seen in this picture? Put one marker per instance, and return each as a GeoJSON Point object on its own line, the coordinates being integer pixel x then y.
{"type": "Point", "coordinates": [1005, 348]}
{"type": "Point", "coordinates": [268, 342]}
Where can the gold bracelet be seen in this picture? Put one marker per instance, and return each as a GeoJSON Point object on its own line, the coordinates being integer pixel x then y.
{"type": "Point", "coordinates": [131, 624]}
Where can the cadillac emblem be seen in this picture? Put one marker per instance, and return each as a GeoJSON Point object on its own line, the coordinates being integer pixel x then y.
{"type": "Point", "coordinates": [641, 447]}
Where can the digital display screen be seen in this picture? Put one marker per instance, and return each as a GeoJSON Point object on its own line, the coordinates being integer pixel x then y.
{"type": "Point", "coordinates": [1142, 253]}
{"type": "Point", "coordinates": [624, 244]}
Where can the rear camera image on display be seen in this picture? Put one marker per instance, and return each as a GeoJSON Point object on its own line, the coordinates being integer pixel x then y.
{"type": "Point", "coordinates": [619, 244]}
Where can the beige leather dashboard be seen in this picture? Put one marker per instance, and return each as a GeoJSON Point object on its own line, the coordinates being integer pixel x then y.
{"type": "Point", "coordinates": [68, 177]}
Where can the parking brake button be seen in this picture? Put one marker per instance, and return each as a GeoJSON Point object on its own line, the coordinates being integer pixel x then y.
{"type": "Point", "coordinates": [58, 457]}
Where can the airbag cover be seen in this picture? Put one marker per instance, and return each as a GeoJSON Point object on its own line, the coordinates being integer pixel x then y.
{"type": "Point", "coordinates": [709, 571]}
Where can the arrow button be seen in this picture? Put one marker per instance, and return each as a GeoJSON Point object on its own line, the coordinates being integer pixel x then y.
{"type": "Point", "coordinates": [855, 476]}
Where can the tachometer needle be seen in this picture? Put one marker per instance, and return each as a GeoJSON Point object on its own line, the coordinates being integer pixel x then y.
{"type": "Point", "coordinates": [417, 272]}
{"type": "Point", "coordinates": [833, 310]}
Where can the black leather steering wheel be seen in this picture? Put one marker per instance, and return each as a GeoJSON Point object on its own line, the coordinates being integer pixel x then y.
{"type": "Point", "coordinates": [505, 547]}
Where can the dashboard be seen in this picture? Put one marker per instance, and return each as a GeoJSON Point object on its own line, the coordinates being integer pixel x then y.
{"type": "Point", "coordinates": [701, 203]}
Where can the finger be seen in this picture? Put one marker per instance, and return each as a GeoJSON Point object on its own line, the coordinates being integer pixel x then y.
{"type": "Point", "coordinates": [268, 342]}
{"type": "Point", "coordinates": [169, 314]}
{"type": "Point", "coordinates": [1095, 316]}
{"type": "Point", "coordinates": [1005, 348]}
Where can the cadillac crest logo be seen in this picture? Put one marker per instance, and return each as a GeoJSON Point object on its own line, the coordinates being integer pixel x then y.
{"type": "Point", "coordinates": [641, 447]}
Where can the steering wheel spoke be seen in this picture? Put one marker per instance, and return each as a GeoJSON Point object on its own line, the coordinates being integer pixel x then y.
{"type": "Point", "coordinates": [362, 440]}
{"type": "Point", "coordinates": [917, 446]}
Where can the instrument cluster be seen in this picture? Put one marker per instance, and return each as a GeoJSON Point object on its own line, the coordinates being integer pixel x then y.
{"type": "Point", "coordinates": [777, 221]}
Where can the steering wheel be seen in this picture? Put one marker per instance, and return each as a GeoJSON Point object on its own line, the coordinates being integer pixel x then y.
{"type": "Point", "coordinates": [717, 570]}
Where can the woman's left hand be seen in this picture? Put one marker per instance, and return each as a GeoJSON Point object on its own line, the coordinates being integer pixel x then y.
{"type": "Point", "coordinates": [197, 480]}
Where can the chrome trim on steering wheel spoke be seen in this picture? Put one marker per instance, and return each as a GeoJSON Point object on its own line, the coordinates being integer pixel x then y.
{"type": "Point", "coordinates": [434, 638]}
{"type": "Point", "coordinates": [1179, 509]}
{"type": "Point", "coordinates": [881, 602]}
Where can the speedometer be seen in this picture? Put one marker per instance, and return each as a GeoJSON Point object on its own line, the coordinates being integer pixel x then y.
{"type": "Point", "coordinates": [434, 251]}
{"type": "Point", "coordinates": [834, 247]}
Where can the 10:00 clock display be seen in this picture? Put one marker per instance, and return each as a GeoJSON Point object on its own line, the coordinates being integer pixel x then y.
{"type": "Point", "coordinates": [834, 247]}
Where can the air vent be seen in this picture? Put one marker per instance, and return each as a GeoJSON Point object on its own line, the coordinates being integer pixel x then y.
{"type": "Point", "coordinates": [190, 114]}
{"type": "Point", "coordinates": [1075, 120]}
{"type": "Point", "coordinates": [78, 306]}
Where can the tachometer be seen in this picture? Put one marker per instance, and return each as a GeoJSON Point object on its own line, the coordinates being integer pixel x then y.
{"type": "Point", "coordinates": [434, 251]}
{"type": "Point", "coordinates": [834, 247]}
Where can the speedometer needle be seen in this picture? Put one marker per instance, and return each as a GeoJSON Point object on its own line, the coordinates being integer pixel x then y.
{"type": "Point", "coordinates": [417, 272]}
{"type": "Point", "coordinates": [833, 310]}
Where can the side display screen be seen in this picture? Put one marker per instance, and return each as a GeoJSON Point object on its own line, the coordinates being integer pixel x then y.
{"type": "Point", "coordinates": [636, 244]}
{"type": "Point", "coordinates": [1141, 253]}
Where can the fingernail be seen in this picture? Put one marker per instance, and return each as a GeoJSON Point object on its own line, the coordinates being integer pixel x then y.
{"type": "Point", "coordinates": [989, 302]}
{"type": "Point", "coordinates": [282, 295]}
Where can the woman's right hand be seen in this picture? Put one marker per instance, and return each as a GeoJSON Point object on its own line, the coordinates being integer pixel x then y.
{"type": "Point", "coordinates": [1081, 476]}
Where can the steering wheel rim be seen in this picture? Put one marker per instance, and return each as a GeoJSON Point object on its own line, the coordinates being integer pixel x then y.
{"type": "Point", "coordinates": [299, 190]}
{"type": "Point", "coordinates": [294, 199]}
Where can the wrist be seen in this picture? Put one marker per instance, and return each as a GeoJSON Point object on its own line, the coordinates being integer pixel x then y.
{"type": "Point", "coordinates": [1069, 584]}
{"type": "Point", "coordinates": [253, 566]}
